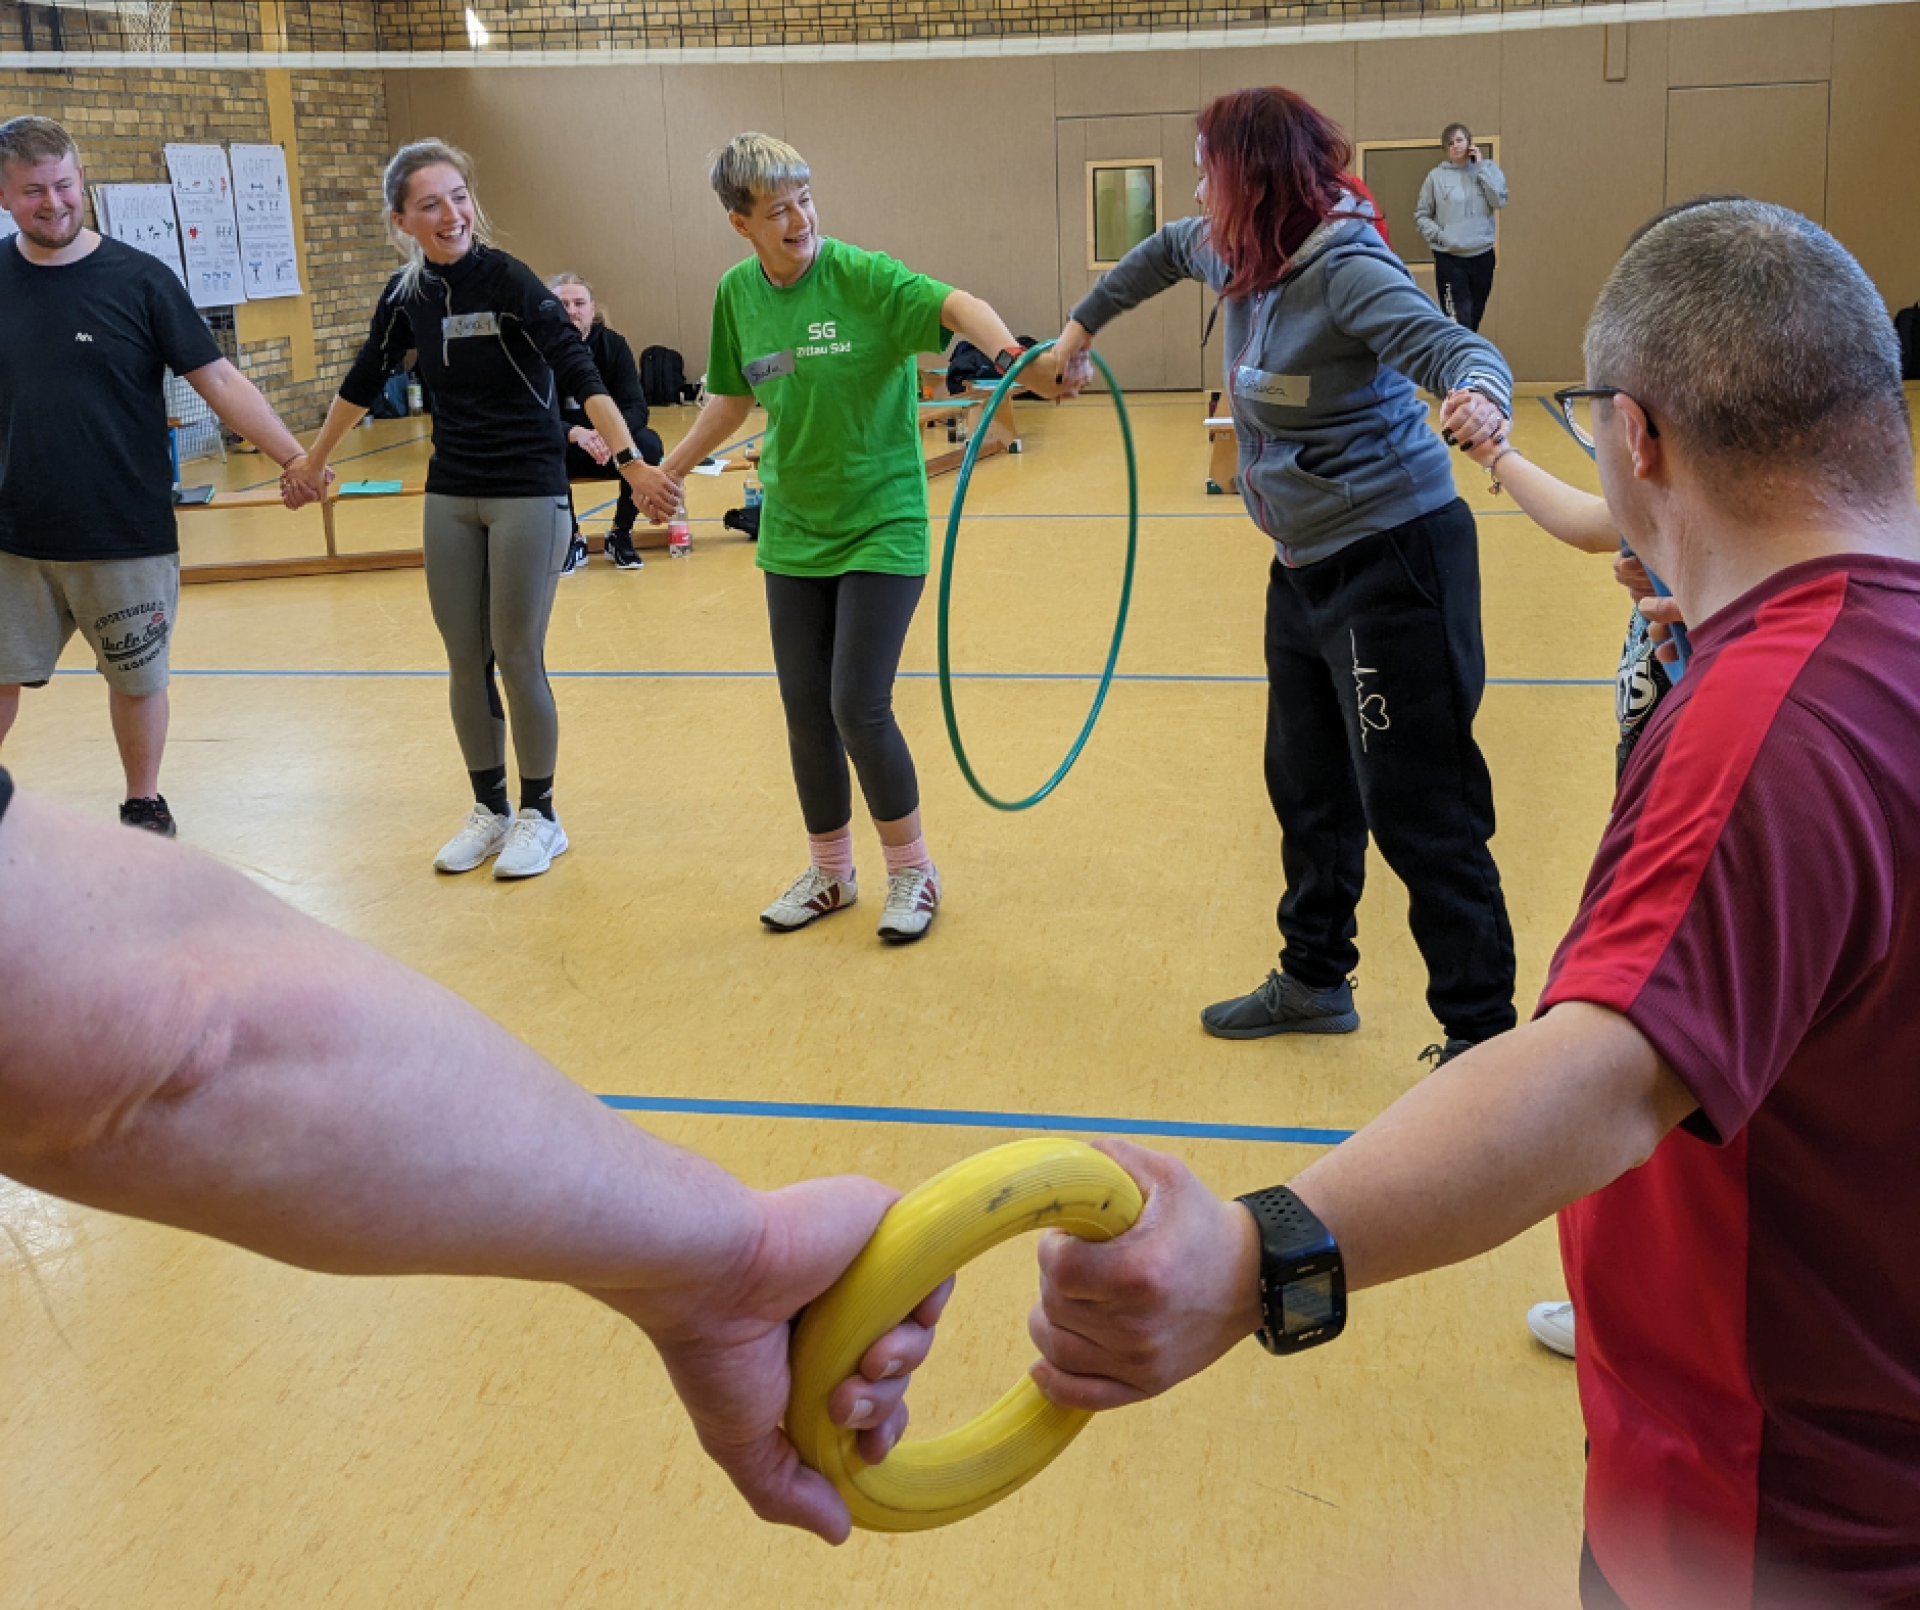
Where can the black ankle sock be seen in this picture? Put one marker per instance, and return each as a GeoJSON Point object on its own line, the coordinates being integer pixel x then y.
{"type": "Point", "coordinates": [490, 789]}
{"type": "Point", "coordinates": [536, 795]}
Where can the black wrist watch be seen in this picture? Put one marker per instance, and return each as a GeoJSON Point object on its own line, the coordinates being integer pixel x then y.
{"type": "Point", "coordinates": [1303, 1280]}
{"type": "Point", "coordinates": [1006, 358]}
{"type": "Point", "coordinates": [626, 456]}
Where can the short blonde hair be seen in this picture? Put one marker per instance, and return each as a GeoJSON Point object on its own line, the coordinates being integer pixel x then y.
{"type": "Point", "coordinates": [750, 166]}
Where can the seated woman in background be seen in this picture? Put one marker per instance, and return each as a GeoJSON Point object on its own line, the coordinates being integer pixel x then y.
{"type": "Point", "coordinates": [588, 457]}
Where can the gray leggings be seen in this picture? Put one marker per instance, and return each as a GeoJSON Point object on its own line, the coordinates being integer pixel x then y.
{"type": "Point", "coordinates": [492, 566]}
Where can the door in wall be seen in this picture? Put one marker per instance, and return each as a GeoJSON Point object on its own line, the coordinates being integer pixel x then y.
{"type": "Point", "coordinates": [1119, 178]}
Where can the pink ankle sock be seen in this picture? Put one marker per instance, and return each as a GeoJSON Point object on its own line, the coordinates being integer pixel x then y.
{"type": "Point", "coordinates": [832, 853]}
{"type": "Point", "coordinates": [901, 856]}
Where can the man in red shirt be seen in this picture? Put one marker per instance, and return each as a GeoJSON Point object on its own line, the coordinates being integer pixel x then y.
{"type": "Point", "coordinates": [1720, 1092]}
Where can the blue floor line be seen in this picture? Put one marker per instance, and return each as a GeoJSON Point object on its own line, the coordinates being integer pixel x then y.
{"type": "Point", "coordinates": [961, 1118]}
{"type": "Point", "coordinates": [905, 676]}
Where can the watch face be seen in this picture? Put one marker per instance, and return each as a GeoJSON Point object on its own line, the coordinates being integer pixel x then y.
{"type": "Point", "coordinates": [1306, 1303]}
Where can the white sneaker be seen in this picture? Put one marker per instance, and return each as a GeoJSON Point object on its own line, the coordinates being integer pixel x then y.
{"type": "Point", "coordinates": [479, 837]}
{"type": "Point", "coordinates": [913, 896]}
{"type": "Point", "coordinates": [814, 894]}
{"type": "Point", "coordinates": [532, 843]}
{"type": "Point", "coordinates": [1552, 1326]}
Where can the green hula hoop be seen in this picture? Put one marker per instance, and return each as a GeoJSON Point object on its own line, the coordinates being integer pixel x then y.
{"type": "Point", "coordinates": [946, 586]}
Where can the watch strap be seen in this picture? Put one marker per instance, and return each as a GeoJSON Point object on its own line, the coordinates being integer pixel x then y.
{"type": "Point", "coordinates": [1303, 1282]}
{"type": "Point", "coordinates": [1006, 358]}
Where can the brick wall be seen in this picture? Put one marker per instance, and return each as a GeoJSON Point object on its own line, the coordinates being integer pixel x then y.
{"type": "Point", "coordinates": [123, 119]}
{"type": "Point", "coordinates": [200, 25]}
{"type": "Point", "coordinates": [563, 24]}
{"type": "Point", "coordinates": [341, 123]}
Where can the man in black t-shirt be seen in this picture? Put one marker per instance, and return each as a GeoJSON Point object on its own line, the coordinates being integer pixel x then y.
{"type": "Point", "coordinates": [88, 329]}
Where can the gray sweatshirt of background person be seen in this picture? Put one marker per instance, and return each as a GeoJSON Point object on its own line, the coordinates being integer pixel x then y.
{"type": "Point", "coordinates": [1456, 207]}
{"type": "Point", "coordinates": [1334, 441]}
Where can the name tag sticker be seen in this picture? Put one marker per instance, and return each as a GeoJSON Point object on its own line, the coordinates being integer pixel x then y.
{"type": "Point", "coordinates": [456, 325]}
{"type": "Point", "coordinates": [1282, 391]}
{"type": "Point", "coordinates": [761, 370]}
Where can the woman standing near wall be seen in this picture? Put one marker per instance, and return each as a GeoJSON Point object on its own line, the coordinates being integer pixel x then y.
{"type": "Point", "coordinates": [1375, 664]}
{"type": "Point", "coordinates": [491, 340]}
{"type": "Point", "coordinates": [823, 335]}
{"type": "Point", "coordinates": [1455, 213]}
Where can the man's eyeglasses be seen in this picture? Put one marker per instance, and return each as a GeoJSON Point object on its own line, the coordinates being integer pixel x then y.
{"type": "Point", "coordinates": [1576, 403]}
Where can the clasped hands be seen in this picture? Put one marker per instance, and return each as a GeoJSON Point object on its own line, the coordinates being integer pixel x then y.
{"type": "Point", "coordinates": [302, 481]}
{"type": "Point", "coordinates": [1115, 1323]}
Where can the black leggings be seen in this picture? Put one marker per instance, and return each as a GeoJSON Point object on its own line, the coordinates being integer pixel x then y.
{"type": "Point", "coordinates": [1374, 672]}
{"type": "Point", "coordinates": [836, 647]}
{"type": "Point", "coordinates": [1465, 284]}
{"type": "Point", "coordinates": [581, 467]}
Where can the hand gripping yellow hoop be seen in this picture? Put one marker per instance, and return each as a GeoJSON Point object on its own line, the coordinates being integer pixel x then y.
{"type": "Point", "coordinates": [928, 1234]}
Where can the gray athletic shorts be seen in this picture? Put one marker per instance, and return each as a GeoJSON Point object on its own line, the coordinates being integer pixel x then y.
{"type": "Point", "coordinates": [123, 607]}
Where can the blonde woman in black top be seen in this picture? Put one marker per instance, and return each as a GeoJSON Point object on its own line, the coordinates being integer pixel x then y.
{"type": "Point", "coordinates": [498, 351]}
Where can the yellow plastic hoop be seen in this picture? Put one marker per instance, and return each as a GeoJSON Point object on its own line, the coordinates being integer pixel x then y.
{"type": "Point", "coordinates": [927, 1235]}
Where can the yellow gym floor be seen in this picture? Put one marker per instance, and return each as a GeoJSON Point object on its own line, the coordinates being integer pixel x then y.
{"type": "Point", "coordinates": [183, 1425]}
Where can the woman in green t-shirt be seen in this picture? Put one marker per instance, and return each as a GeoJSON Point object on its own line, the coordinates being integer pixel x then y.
{"type": "Point", "coordinates": [823, 335]}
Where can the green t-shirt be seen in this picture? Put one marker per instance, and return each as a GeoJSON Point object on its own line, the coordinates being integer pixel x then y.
{"type": "Point", "coordinates": [831, 360]}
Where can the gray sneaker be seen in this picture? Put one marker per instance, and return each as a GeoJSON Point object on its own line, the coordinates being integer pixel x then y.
{"type": "Point", "coordinates": [1283, 1005]}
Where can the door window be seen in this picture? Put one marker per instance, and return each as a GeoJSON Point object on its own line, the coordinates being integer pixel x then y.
{"type": "Point", "coordinates": [1123, 208]}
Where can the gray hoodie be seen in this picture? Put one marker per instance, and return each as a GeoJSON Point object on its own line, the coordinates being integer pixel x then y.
{"type": "Point", "coordinates": [1456, 206]}
{"type": "Point", "coordinates": [1334, 442]}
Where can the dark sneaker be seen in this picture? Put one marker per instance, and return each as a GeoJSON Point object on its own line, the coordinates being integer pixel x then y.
{"type": "Point", "coordinates": [576, 554]}
{"type": "Point", "coordinates": [151, 814]}
{"type": "Point", "coordinates": [620, 551]}
{"type": "Point", "coordinates": [1440, 1055]}
{"type": "Point", "coordinates": [1283, 1005]}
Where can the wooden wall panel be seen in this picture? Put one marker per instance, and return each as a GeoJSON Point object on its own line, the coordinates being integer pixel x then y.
{"type": "Point", "coordinates": [1324, 74]}
{"type": "Point", "coordinates": [1781, 47]}
{"type": "Point", "coordinates": [705, 108]}
{"type": "Point", "coordinates": [1584, 159]}
{"type": "Point", "coordinates": [1126, 83]}
{"type": "Point", "coordinates": [1155, 347]}
{"type": "Point", "coordinates": [1768, 141]}
{"type": "Point", "coordinates": [1875, 132]}
{"type": "Point", "coordinates": [1412, 88]}
{"type": "Point", "coordinates": [948, 166]}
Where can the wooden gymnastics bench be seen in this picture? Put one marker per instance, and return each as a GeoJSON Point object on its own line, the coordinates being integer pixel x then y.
{"type": "Point", "coordinates": [959, 415]}
{"type": "Point", "coordinates": [333, 562]}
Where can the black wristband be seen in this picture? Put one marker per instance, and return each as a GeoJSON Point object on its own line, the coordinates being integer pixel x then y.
{"type": "Point", "coordinates": [1303, 1279]}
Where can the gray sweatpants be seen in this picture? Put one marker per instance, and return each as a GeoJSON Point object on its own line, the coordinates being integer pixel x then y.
{"type": "Point", "coordinates": [492, 566]}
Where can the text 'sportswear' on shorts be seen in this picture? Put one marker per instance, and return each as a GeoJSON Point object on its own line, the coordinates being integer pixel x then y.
{"type": "Point", "coordinates": [124, 608]}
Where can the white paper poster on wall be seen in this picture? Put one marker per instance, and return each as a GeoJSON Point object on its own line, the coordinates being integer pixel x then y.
{"type": "Point", "coordinates": [264, 199]}
{"type": "Point", "coordinates": [141, 215]}
{"type": "Point", "coordinates": [209, 235]}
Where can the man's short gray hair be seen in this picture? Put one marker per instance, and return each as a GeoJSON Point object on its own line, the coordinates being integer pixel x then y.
{"type": "Point", "coordinates": [1751, 333]}
{"type": "Point", "coordinates": [33, 140]}
{"type": "Point", "coordinates": [750, 167]}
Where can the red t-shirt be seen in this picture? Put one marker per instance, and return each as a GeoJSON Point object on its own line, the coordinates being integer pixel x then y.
{"type": "Point", "coordinates": [1749, 1300]}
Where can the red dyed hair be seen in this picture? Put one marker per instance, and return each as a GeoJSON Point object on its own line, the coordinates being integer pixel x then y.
{"type": "Point", "coordinates": [1274, 168]}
